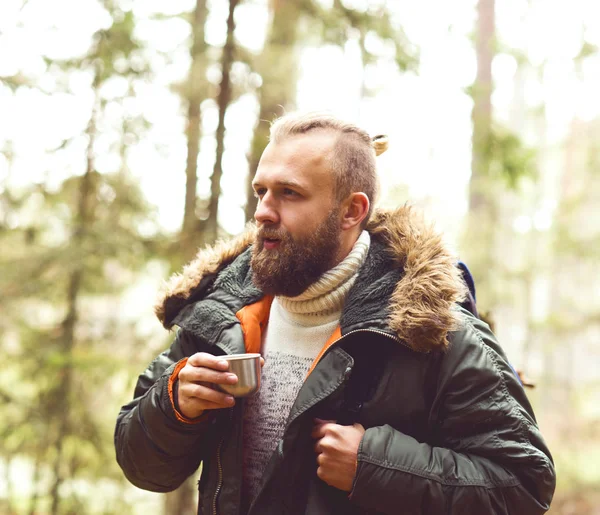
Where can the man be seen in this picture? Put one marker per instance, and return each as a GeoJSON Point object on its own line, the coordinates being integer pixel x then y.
{"type": "Point", "coordinates": [380, 394]}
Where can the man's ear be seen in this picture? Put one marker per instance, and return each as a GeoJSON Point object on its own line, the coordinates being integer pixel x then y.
{"type": "Point", "coordinates": [354, 209]}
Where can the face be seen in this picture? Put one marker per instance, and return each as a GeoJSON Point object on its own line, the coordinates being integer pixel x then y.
{"type": "Point", "coordinates": [297, 216]}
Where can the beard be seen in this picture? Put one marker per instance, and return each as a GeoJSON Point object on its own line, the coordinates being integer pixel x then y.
{"type": "Point", "coordinates": [296, 263]}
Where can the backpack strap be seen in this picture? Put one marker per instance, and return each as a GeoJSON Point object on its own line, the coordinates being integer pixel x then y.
{"type": "Point", "coordinates": [470, 302]}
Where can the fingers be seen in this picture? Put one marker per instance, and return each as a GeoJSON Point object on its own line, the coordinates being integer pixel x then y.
{"type": "Point", "coordinates": [203, 359]}
{"type": "Point", "coordinates": [191, 374]}
{"type": "Point", "coordinates": [318, 432]}
{"type": "Point", "coordinates": [204, 397]}
{"type": "Point", "coordinates": [203, 367]}
{"type": "Point", "coordinates": [196, 379]}
{"type": "Point", "coordinates": [321, 473]}
{"type": "Point", "coordinates": [205, 393]}
{"type": "Point", "coordinates": [321, 427]}
{"type": "Point", "coordinates": [196, 391]}
{"type": "Point", "coordinates": [319, 447]}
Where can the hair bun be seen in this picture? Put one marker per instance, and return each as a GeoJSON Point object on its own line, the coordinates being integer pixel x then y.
{"type": "Point", "coordinates": [380, 144]}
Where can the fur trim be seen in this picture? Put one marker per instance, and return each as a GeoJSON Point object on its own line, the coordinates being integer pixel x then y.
{"type": "Point", "coordinates": [182, 288]}
{"type": "Point", "coordinates": [422, 307]}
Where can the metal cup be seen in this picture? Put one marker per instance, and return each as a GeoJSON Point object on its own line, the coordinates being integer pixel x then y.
{"type": "Point", "coordinates": [247, 369]}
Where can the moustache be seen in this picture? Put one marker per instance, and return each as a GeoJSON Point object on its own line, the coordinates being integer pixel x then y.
{"type": "Point", "coordinates": [272, 234]}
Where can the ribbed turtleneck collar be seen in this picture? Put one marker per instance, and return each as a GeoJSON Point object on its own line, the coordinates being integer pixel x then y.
{"type": "Point", "coordinates": [325, 298]}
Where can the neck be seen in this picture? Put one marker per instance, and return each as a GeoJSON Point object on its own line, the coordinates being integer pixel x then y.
{"type": "Point", "coordinates": [347, 241]}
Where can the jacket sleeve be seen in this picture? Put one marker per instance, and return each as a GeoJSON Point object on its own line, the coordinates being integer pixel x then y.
{"type": "Point", "coordinates": [156, 448]}
{"type": "Point", "coordinates": [486, 454]}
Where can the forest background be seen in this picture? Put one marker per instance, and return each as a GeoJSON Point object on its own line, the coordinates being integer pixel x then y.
{"type": "Point", "coordinates": [129, 130]}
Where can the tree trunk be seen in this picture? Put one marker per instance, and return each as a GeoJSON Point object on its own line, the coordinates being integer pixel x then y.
{"type": "Point", "coordinates": [278, 69]}
{"type": "Point", "coordinates": [482, 102]}
{"type": "Point", "coordinates": [193, 130]}
{"type": "Point", "coordinates": [9, 485]}
{"type": "Point", "coordinates": [482, 206]}
{"type": "Point", "coordinates": [33, 502]}
{"type": "Point", "coordinates": [539, 262]}
{"type": "Point", "coordinates": [67, 328]}
{"type": "Point", "coordinates": [182, 501]}
{"type": "Point", "coordinates": [223, 100]}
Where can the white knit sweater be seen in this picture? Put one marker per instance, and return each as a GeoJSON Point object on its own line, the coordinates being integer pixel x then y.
{"type": "Point", "coordinates": [298, 328]}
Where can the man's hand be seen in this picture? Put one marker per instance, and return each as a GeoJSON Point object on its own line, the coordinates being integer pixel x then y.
{"type": "Point", "coordinates": [337, 452]}
{"type": "Point", "coordinates": [196, 392]}
{"type": "Point", "coordinates": [197, 378]}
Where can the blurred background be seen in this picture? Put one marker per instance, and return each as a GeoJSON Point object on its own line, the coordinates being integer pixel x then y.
{"type": "Point", "coordinates": [129, 131]}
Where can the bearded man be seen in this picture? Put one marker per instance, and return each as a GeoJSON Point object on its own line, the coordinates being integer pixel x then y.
{"type": "Point", "coordinates": [380, 393]}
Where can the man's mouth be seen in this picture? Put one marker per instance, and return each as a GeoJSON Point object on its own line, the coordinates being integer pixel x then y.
{"type": "Point", "coordinates": [270, 243]}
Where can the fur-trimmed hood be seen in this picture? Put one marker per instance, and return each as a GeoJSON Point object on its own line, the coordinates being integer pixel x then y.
{"type": "Point", "coordinates": [422, 307]}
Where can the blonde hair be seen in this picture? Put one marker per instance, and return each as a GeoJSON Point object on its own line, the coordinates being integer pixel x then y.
{"type": "Point", "coordinates": [353, 162]}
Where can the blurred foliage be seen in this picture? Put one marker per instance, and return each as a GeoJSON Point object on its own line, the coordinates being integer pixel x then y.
{"type": "Point", "coordinates": [341, 23]}
{"type": "Point", "coordinates": [66, 250]}
{"type": "Point", "coordinates": [510, 161]}
{"type": "Point", "coordinates": [70, 253]}
{"type": "Point", "coordinates": [310, 23]}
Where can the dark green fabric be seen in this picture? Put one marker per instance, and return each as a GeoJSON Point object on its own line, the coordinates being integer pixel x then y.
{"type": "Point", "coordinates": [446, 432]}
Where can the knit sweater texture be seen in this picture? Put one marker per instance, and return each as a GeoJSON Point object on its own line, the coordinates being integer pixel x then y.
{"type": "Point", "coordinates": [297, 330]}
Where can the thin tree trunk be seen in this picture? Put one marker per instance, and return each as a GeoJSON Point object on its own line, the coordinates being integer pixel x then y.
{"type": "Point", "coordinates": [539, 262]}
{"type": "Point", "coordinates": [182, 501]}
{"type": "Point", "coordinates": [67, 332]}
{"type": "Point", "coordinates": [223, 101]}
{"type": "Point", "coordinates": [259, 142]}
{"type": "Point", "coordinates": [483, 213]}
{"type": "Point", "coordinates": [9, 484]}
{"type": "Point", "coordinates": [527, 316]}
{"type": "Point", "coordinates": [278, 70]}
{"type": "Point", "coordinates": [33, 501]}
{"type": "Point", "coordinates": [482, 102]}
{"type": "Point", "coordinates": [193, 131]}
{"type": "Point", "coordinates": [553, 391]}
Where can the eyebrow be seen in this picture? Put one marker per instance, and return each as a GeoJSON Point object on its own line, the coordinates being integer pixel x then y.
{"type": "Point", "coordinates": [288, 183]}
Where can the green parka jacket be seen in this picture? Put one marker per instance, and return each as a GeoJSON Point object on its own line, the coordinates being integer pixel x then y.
{"type": "Point", "coordinates": [449, 429]}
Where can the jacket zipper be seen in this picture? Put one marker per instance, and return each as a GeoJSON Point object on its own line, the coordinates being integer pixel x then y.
{"type": "Point", "coordinates": [383, 333]}
{"type": "Point", "coordinates": [219, 464]}
{"type": "Point", "coordinates": [376, 331]}
{"type": "Point", "coordinates": [220, 468]}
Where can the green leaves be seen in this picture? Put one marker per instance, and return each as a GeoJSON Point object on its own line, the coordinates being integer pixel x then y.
{"type": "Point", "coordinates": [68, 252]}
{"type": "Point", "coordinates": [339, 23]}
{"type": "Point", "coordinates": [510, 160]}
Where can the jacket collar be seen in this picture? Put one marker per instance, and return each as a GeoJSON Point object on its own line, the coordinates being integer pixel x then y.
{"type": "Point", "coordinates": [408, 267]}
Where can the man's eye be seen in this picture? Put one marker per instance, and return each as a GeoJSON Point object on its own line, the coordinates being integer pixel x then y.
{"type": "Point", "coordinates": [289, 192]}
{"type": "Point", "coordinates": [259, 192]}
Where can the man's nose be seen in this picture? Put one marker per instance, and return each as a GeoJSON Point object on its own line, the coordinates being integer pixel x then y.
{"type": "Point", "coordinates": [266, 211]}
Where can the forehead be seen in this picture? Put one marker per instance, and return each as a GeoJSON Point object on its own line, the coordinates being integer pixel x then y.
{"type": "Point", "coordinates": [304, 157]}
